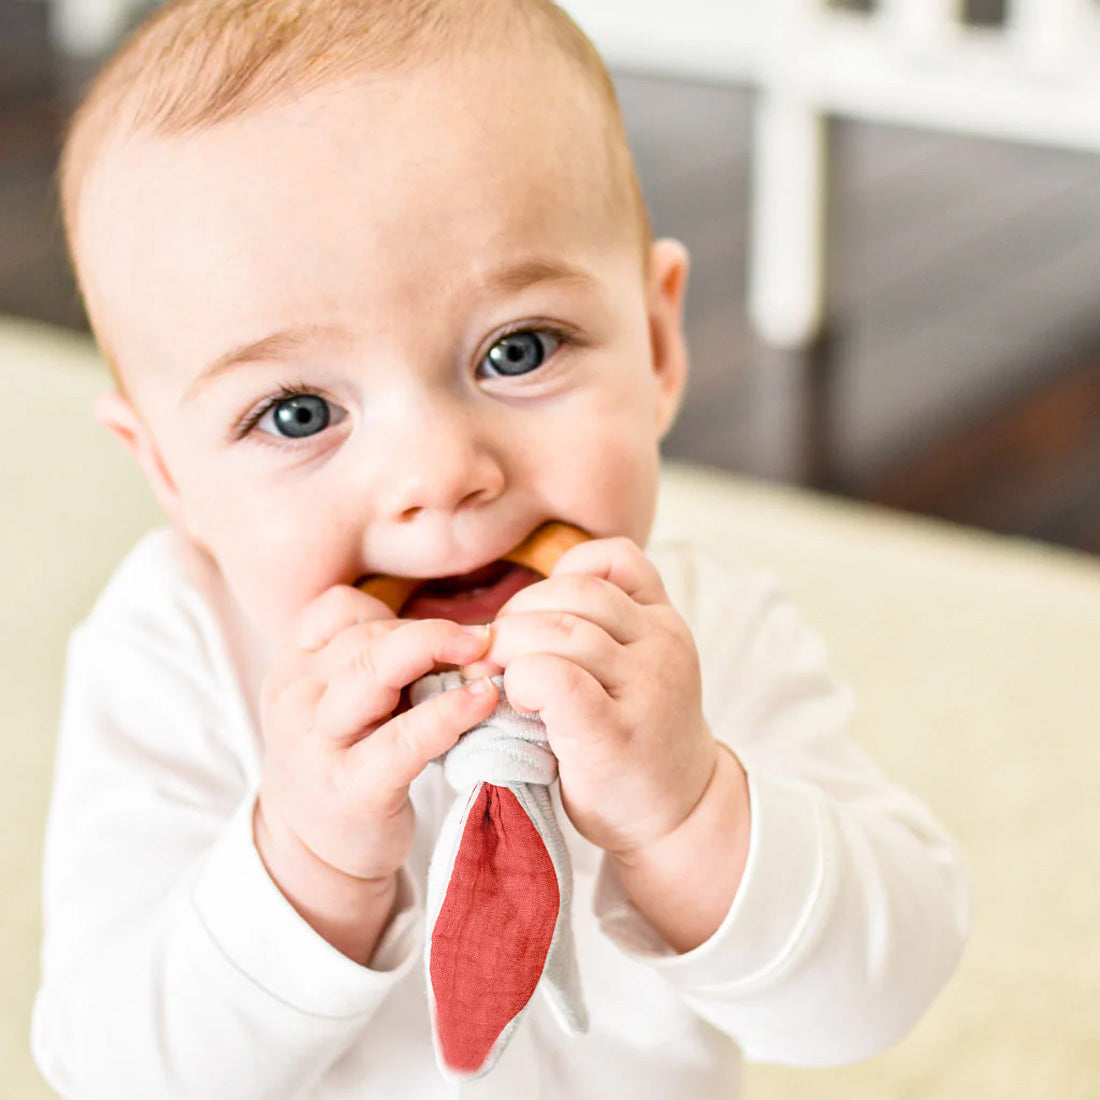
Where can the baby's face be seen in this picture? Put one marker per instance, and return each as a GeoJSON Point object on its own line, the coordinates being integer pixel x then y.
{"type": "Point", "coordinates": [390, 328]}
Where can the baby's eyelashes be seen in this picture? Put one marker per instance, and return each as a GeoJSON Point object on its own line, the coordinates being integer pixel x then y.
{"type": "Point", "coordinates": [293, 412]}
{"type": "Point", "coordinates": [520, 353]}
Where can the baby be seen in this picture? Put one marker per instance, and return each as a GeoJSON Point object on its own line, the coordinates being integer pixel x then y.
{"type": "Point", "coordinates": [377, 286]}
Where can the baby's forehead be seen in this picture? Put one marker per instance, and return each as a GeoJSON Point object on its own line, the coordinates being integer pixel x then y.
{"type": "Point", "coordinates": [528, 118]}
{"type": "Point", "coordinates": [416, 186]}
{"type": "Point", "coordinates": [436, 143]}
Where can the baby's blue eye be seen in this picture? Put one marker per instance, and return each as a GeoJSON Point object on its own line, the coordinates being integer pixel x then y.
{"type": "Point", "coordinates": [298, 417]}
{"type": "Point", "coordinates": [520, 353]}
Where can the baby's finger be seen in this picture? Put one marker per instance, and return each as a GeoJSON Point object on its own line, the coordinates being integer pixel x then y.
{"type": "Point", "coordinates": [335, 610]}
{"type": "Point", "coordinates": [559, 634]}
{"type": "Point", "coordinates": [367, 686]}
{"type": "Point", "coordinates": [619, 561]}
{"type": "Point", "coordinates": [599, 601]}
{"type": "Point", "coordinates": [569, 699]}
{"type": "Point", "coordinates": [398, 751]}
{"type": "Point", "coordinates": [348, 642]}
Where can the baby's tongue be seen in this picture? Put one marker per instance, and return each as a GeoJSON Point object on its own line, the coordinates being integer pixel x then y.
{"type": "Point", "coordinates": [471, 598]}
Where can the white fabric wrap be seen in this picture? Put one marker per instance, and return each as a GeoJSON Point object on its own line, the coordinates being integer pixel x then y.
{"type": "Point", "coordinates": [508, 749]}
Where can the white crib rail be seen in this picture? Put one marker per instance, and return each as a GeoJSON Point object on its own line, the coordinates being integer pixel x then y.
{"type": "Point", "coordinates": [1047, 33]}
{"type": "Point", "coordinates": [717, 40]}
{"type": "Point", "coordinates": [921, 25]}
{"type": "Point", "coordinates": [1037, 79]}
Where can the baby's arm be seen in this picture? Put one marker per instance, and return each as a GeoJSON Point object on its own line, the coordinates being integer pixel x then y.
{"type": "Point", "coordinates": [172, 964]}
{"type": "Point", "coordinates": [148, 982]}
{"type": "Point", "coordinates": [853, 907]}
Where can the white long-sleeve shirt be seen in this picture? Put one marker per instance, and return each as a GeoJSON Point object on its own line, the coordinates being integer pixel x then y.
{"type": "Point", "coordinates": [174, 967]}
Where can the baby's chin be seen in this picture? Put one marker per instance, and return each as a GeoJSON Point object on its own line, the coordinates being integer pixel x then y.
{"type": "Point", "coordinates": [475, 598]}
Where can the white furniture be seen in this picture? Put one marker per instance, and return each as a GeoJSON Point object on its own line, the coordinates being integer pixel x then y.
{"type": "Point", "coordinates": [913, 62]}
{"type": "Point", "coordinates": [973, 657]}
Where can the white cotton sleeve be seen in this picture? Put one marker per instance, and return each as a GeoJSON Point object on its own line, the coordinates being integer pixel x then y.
{"type": "Point", "coordinates": [171, 963]}
{"type": "Point", "coordinates": [854, 905]}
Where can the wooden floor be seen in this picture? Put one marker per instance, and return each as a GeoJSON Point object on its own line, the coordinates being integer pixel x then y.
{"type": "Point", "coordinates": [961, 373]}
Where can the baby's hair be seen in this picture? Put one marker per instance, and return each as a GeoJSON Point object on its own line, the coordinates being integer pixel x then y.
{"type": "Point", "coordinates": [195, 63]}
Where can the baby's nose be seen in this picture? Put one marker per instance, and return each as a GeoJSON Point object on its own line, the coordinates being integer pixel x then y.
{"type": "Point", "coordinates": [444, 464]}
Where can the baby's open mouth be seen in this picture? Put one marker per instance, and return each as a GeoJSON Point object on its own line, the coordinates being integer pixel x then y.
{"type": "Point", "coordinates": [477, 596]}
{"type": "Point", "coordinates": [468, 598]}
{"type": "Point", "coordinates": [466, 583]}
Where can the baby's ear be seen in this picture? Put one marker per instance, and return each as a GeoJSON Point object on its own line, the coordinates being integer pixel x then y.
{"type": "Point", "coordinates": [116, 412]}
{"type": "Point", "coordinates": [668, 275]}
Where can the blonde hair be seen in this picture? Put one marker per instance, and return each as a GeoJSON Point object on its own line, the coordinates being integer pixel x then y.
{"type": "Point", "coordinates": [195, 63]}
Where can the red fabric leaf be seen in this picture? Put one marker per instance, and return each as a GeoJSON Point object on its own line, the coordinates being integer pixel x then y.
{"type": "Point", "coordinates": [494, 928]}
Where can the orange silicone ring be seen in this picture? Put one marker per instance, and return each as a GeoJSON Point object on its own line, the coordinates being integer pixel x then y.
{"type": "Point", "coordinates": [539, 551]}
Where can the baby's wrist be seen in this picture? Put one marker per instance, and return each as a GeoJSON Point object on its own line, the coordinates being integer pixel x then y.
{"type": "Point", "coordinates": [350, 913]}
{"type": "Point", "coordinates": [701, 861]}
{"type": "Point", "coordinates": [653, 851]}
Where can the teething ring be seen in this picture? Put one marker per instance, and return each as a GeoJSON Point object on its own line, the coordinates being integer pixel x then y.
{"type": "Point", "coordinates": [539, 552]}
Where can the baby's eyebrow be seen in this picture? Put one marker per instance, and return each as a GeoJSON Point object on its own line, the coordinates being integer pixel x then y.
{"type": "Point", "coordinates": [278, 345]}
{"type": "Point", "coordinates": [512, 278]}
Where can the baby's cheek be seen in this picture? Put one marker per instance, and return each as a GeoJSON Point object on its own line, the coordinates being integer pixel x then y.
{"type": "Point", "coordinates": [273, 589]}
{"type": "Point", "coordinates": [612, 485]}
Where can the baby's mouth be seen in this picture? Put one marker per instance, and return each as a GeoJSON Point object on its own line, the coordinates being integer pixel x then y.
{"type": "Point", "coordinates": [476, 597]}
{"type": "Point", "coordinates": [466, 583]}
{"type": "Point", "coordinates": [468, 598]}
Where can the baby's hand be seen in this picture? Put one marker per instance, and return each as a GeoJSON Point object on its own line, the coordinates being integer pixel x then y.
{"type": "Point", "coordinates": [612, 669]}
{"type": "Point", "coordinates": [334, 813]}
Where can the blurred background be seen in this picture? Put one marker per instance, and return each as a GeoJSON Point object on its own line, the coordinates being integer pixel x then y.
{"type": "Point", "coordinates": [893, 210]}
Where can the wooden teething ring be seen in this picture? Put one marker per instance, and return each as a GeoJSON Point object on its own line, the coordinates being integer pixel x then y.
{"type": "Point", "coordinates": [539, 552]}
